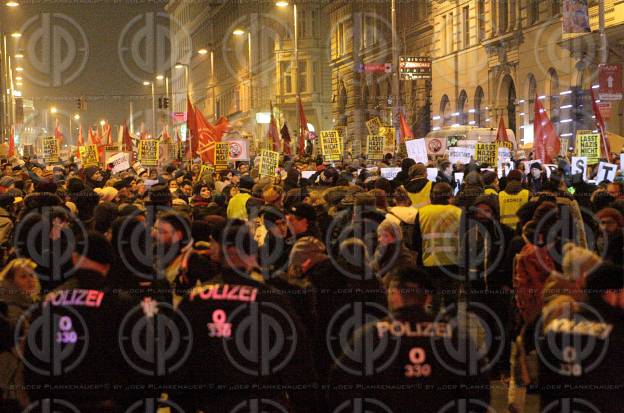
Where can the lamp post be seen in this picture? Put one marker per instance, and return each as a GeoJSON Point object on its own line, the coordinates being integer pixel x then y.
{"type": "Point", "coordinates": [151, 84]}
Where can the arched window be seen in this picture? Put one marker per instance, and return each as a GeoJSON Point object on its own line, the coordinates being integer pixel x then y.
{"type": "Point", "coordinates": [461, 108]}
{"type": "Point", "coordinates": [444, 110]}
{"type": "Point", "coordinates": [531, 90]}
{"type": "Point", "coordinates": [553, 93]}
{"type": "Point", "coordinates": [478, 100]}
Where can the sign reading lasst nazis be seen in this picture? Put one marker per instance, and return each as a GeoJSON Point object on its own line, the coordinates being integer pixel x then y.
{"type": "Point", "coordinates": [148, 152]}
{"type": "Point", "coordinates": [375, 146]}
{"type": "Point", "coordinates": [222, 156]}
{"type": "Point", "coordinates": [486, 153]}
{"type": "Point", "coordinates": [331, 145]}
{"type": "Point", "coordinates": [51, 150]}
{"type": "Point", "coordinates": [269, 161]}
{"type": "Point", "coordinates": [89, 155]}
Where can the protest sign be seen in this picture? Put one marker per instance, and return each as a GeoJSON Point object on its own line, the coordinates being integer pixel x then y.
{"type": "Point", "coordinates": [389, 135]}
{"type": "Point", "coordinates": [390, 173]}
{"type": "Point", "coordinates": [374, 126]}
{"type": "Point", "coordinates": [588, 145]}
{"type": "Point", "coordinates": [436, 146]}
{"type": "Point", "coordinates": [307, 174]}
{"type": "Point", "coordinates": [221, 156]}
{"type": "Point", "coordinates": [606, 172]}
{"type": "Point", "coordinates": [460, 154]}
{"type": "Point", "coordinates": [138, 168]}
{"type": "Point", "coordinates": [432, 174]}
{"type": "Point", "coordinates": [459, 177]}
{"type": "Point", "coordinates": [204, 169]}
{"type": "Point", "coordinates": [50, 150]}
{"type": "Point", "coordinates": [374, 146]}
{"type": "Point", "coordinates": [148, 152]}
{"type": "Point", "coordinates": [579, 165]}
{"type": "Point", "coordinates": [331, 145]}
{"type": "Point", "coordinates": [504, 154]}
{"type": "Point", "coordinates": [28, 151]}
{"type": "Point", "coordinates": [504, 168]}
{"type": "Point", "coordinates": [89, 155]}
{"type": "Point", "coordinates": [120, 162]}
{"type": "Point", "coordinates": [417, 150]}
{"type": "Point", "coordinates": [269, 161]}
{"type": "Point", "coordinates": [486, 153]}
{"type": "Point", "coordinates": [239, 149]}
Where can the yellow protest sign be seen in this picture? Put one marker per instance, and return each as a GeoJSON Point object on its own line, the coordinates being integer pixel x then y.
{"type": "Point", "coordinates": [148, 152]}
{"type": "Point", "coordinates": [89, 155]}
{"type": "Point", "coordinates": [331, 145]}
{"type": "Point", "coordinates": [222, 155]}
{"type": "Point", "coordinates": [486, 153]}
{"type": "Point", "coordinates": [204, 170]}
{"type": "Point", "coordinates": [51, 150]}
{"type": "Point", "coordinates": [375, 146]}
{"type": "Point", "coordinates": [269, 161]}
{"type": "Point", "coordinates": [588, 144]}
{"type": "Point", "coordinates": [505, 144]}
{"type": "Point", "coordinates": [389, 135]}
{"type": "Point", "coordinates": [373, 126]}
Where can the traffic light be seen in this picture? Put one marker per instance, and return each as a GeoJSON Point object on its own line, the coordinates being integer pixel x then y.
{"type": "Point", "coordinates": [160, 103]}
{"type": "Point", "coordinates": [166, 103]}
{"type": "Point", "coordinates": [81, 103]}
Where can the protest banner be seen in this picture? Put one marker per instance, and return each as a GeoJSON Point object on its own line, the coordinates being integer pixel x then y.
{"type": "Point", "coordinates": [120, 162]}
{"type": "Point", "coordinates": [221, 156]}
{"type": "Point", "coordinates": [148, 152]}
{"type": "Point", "coordinates": [432, 174]}
{"type": "Point", "coordinates": [578, 165]}
{"type": "Point", "coordinates": [374, 147]}
{"type": "Point", "coordinates": [89, 155]}
{"type": "Point", "coordinates": [374, 126]}
{"type": "Point", "coordinates": [389, 173]}
{"type": "Point", "coordinates": [606, 172]}
{"type": "Point", "coordinates": [486, 153]}
{"type": "Point", "coordinates": [239, 149]}
{"type": "Point", "coordinates": [436, 146]}
{"type": "Point", "coordinates": [50, 150]}
{"type": "Point", "coordinates": [460, 154]}
{"type": "Point", "coordinates": [331, 145]}
{"type": "Point", "coordinates": [588, 145]}
{"type": "Point", "coordinates": [417, 150]}
{"type": "Point", "coordinates": [505, 144]}
{"type": "Point", "coordinates": [389, 135]}
{"type": "Point", "coordinates": [269, 161]}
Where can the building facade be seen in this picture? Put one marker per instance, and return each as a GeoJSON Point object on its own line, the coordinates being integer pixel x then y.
{"type": "Point", "coordinates": [361, 41]}
{"type": "Point", "coordinates": [241, 59]}
{"type": "Point", "coordinates": [492, 58]}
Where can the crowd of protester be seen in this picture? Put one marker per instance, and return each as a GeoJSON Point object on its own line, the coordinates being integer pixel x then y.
{"type": "Point", "coordinates": [329, 293]}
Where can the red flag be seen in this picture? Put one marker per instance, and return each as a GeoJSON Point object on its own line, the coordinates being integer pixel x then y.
{"type": "Point", "coordinates": [107, 134]}
{"type": "Point", "coordinates": [206, 138]}
{"type": "Point", "coordinates": [165, 134]}
{"type": "Point", "coordinates": [286, 139]}
{"type": "Point", "coordinates": [604, 142]}
{"type": "Point", "coordinates": [80, 141]}
{"type": "Point", "coordinates": [11, 143]}
{"type": "Point", "coordinates": [501, 133]}
{"type": "Point", "coordinates": [93, 138]}
{"type": "Point", "coordinates": [127, 140]}
{"type": "Point", "coordinates": [406, 131]}
{"type": "Point", "coordinates": [57, 132]}
{"type": "Point", "coordinates": [274, 132]}
{"type": "Point", "coordinates": [303, 128]}
{"type": "Point", "coordinates": [191, 128]}
{"type": "Point", "coordinates": [546, 144]}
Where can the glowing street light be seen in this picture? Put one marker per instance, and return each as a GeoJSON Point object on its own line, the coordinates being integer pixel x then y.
{"type": "Point", "coordinates": [19, 69]}
{"type": "Point", "coordinates": [77, 116]}
{"type": "Point", "coordinates": [281, 4]}
{"type": "Point", "coordinates": [238, 32]}
{"type": "Point", "coordinates": [19, 78]}
{"type": "Point", "coordinates": [102, 122]}
{"type": "Point", "coordinates": [19, 56]}
{"type": "Point", "coordinates": [202, 51]}
{"type": "Point", "coordinates": [53, 110]}
{"type": "Point", "coordinates": [12, 3]}
{"type": "Point", "coordinates": [159, 77]}
{"type": "Point", "coordinates": [16, 35]}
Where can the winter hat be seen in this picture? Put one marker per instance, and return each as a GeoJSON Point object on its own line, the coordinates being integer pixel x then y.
{"type": "Point", "coordinates": [246, 182]}
{"type": "Point", "coordinates": [75, 185]}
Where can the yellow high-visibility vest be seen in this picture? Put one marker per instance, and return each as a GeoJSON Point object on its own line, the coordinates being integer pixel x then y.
{"type": "Point", "coordinates": [422, 198]}
{"type": "Point", "coordinates": [510, 204]}
{"type": "Point", "coordinates": [439, 227]}
{"type": "Point", "coordinates": [490, 191]}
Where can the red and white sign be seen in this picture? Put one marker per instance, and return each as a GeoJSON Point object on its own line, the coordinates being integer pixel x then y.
{"type": "Point", "coordinates": [239, 150]}
{"type": "Point", "coordinates": [436, 146]}
{"type": "Point", "coordinates": [376, 68]}
{"type": "Point", "coordinates": [179, 116]}
{"type": "Point", "coordinates": [605, 110]}
{"type": "Point", "coordinates": [610, 81]}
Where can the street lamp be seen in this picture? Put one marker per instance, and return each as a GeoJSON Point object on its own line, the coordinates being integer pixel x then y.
{"type": "Point", "coordinates": [146, 83]}
{"type": "Point", "coordinates": [53, 110]}
{"type": "Point", "coordinates": [19, 69]}
{"type": "Point", "coordinates": [16, 35]}
{"type": "Point", "coordinates": [12, 3]}
{"type": "Point", "coordinates": [77, 116]}
{"type": "Point", "coordinates": [102, 122]}
{"type": "Point", "coordinates": [282, 4]}
{"type": "Point", "coordinates": [238, 32]}
{"type": "Point", "coordinates": [202, 51]}
{"type": "Point", "coordinates": [19, 56]}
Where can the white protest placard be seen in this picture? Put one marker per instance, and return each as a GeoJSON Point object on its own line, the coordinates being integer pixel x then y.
{"type": "Point", "coordinates": [527, 165]}
{"type": "Point", "coordinates": [606, 172]}
{"type": "Point", "coordinates": [307, 174]}
{"type": "Point", "coordinates": [622, 162]}
{"type": "Point", "coordinates": [504, 154]}
{"type": "Point", "coordinates": [504, 168]}
{"type": "Point", "coordinates": [120, 161]}
{"type": "Point", "coordinates": [390, 173]}
{"type": "Point", "coordinates": [432, 174]}
{"type": "Point", "coordinates": [459, 177]}
{"type": "Point", "coordinates": [550, 168]}
{"type": "Point", "coordinates": [460, 154]}
{"type": "Point", "coordinates": [417, 150]}
{"type": "Point", "coordinates": [579, 165]}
